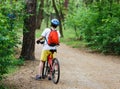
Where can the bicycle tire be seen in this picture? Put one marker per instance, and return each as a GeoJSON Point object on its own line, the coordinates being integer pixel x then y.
{"type": "Point", "coordinates": [56, 71]}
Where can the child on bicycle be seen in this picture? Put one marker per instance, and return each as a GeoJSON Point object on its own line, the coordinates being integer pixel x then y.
{"type": "Point", "coordinates": [46, 48]}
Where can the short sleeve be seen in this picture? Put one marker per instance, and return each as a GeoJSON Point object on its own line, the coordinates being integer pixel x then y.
{"type": "Point", "coordinates": [44, 33]}
{"type": "Point", "coordinates": [59, 34]}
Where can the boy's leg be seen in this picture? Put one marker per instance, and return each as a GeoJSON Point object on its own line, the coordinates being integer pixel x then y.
{"type": "Point", "coordinates": [44, 55]}
{"type": "Point", "coordinates": [40, 68]}
{"type": "Point", "coordinates": [39, 76]}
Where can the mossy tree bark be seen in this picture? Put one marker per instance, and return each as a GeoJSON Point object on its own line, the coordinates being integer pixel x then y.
{"type": "Point", "coordinates": [28, 46]}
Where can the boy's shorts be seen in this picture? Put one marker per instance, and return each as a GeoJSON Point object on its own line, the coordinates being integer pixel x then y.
{"type": "Point", "coordinates": [45, 54]}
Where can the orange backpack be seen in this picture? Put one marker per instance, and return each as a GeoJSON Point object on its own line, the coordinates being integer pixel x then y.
{"type": "Point", "coordinates": [53, 38]}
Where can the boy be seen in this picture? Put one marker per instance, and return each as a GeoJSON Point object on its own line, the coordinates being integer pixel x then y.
{"type": "Point", "coordinates": [46, 48]}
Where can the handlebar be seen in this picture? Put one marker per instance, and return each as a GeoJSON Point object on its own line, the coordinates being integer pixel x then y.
{"type": "Point", "coordinates": [40, 41]}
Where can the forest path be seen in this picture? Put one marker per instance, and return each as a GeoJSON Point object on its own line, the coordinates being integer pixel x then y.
{"type": "Point", "coordinates": [79, 70]}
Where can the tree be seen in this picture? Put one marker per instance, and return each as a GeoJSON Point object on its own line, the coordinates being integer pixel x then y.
{"type": "Point", "coordinates": [66, 4]}
{"type": "Point", "coordinates": [58, 15]}
{"type": "Point", "coordinates": [40, 14]}
{"type": "Point", "coordinates": [28, 45]}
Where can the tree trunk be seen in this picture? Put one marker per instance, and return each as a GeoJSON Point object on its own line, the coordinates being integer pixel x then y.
{"type": "Point", "coordinates": [110, 10]}
{"type": "Point", "coordinates": [66, 4]}
{"type": "Point", "coordinates": [87, 2]}
{"type": "Point", "coordinates": [28, 45]}
{"type": "Point", "coordinates": [40, 14]}
{"type": "Point", "coordinates": [118, 1]}
{"type": "Point", "coordinates": [57, 13]}
{"type": "Point", "coordinates": [47, 14]}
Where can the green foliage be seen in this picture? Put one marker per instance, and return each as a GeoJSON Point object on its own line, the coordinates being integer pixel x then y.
{"type": "Point", "coordinates": [11, 19]}
{"type": "Point", "coordinates": [18, 62]}
{"type": "Point", "coordinates": [71, 40]}
{"type": "Point", "coordinates": [105, 34]}
{"type": "Point", "coordinates": [99, 25]}
{"type": "Point", "coordinates": [73, 17]}
{"type": "Point", "coordinates": [2, 86]}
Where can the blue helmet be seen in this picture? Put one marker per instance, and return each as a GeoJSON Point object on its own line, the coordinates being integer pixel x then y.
{"type": "Point", "coordinates": [55, 22]}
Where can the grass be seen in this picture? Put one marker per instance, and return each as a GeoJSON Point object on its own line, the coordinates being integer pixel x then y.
{"type": "Point", "coordinates": [71, 39]}
{"type": "Point", "coordinates": [39, 31]}
{"type": "Point", "coordinates": [16, 63]}
{"type": "Point", "coordinates": [11, 70]}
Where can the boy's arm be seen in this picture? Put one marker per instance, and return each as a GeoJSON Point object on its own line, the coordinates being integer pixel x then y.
{"type": "Point", "coordinates": [38, 41]}
{"type": "Point", "coordinates": [41, 38]}
{"type": "Point", "coordinates": [42, 35]}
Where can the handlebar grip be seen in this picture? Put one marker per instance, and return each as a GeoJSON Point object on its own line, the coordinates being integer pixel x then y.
{"type": "Point", "coordinates": [40, 42]}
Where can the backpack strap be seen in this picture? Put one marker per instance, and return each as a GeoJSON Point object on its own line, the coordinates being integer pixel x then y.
{"type": "Point", "coordinates": [46, 38]}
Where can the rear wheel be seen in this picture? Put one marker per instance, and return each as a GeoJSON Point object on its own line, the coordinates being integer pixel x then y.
{"type": "Point", "coordinates": [56, 71]}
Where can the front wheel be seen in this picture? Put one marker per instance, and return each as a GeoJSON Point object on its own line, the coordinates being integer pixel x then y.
{"type": "Point", "coordinates": [56, 71]}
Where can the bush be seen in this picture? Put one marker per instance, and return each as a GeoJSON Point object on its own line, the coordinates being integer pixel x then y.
{"type": "Point", "coordinates": [105, 30]}
{"type": "Point", "coordinates": [9, 23]}
{"type": "Point", "coordinates": [99, 25]}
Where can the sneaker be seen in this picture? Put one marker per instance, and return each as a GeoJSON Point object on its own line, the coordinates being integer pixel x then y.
{"type": "Point", "coordinates": [49, 78]}
{"type": "Point", "coordinates": [38, 77]}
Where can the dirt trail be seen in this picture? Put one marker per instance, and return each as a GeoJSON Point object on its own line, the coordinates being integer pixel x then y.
{"type": "Point", "coordinates": [79, 70]}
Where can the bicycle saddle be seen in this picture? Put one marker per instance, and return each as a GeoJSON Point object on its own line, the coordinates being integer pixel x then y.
{"type": "Point", "coordinates": [53, 50]}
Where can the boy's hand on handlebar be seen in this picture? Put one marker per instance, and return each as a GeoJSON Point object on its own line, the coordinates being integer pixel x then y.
{"type": "Point", "coordinates": [38, 41]}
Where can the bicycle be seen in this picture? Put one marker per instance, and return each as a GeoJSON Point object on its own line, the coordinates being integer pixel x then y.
{"type": "Point", "coordinates": [52, 67]}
